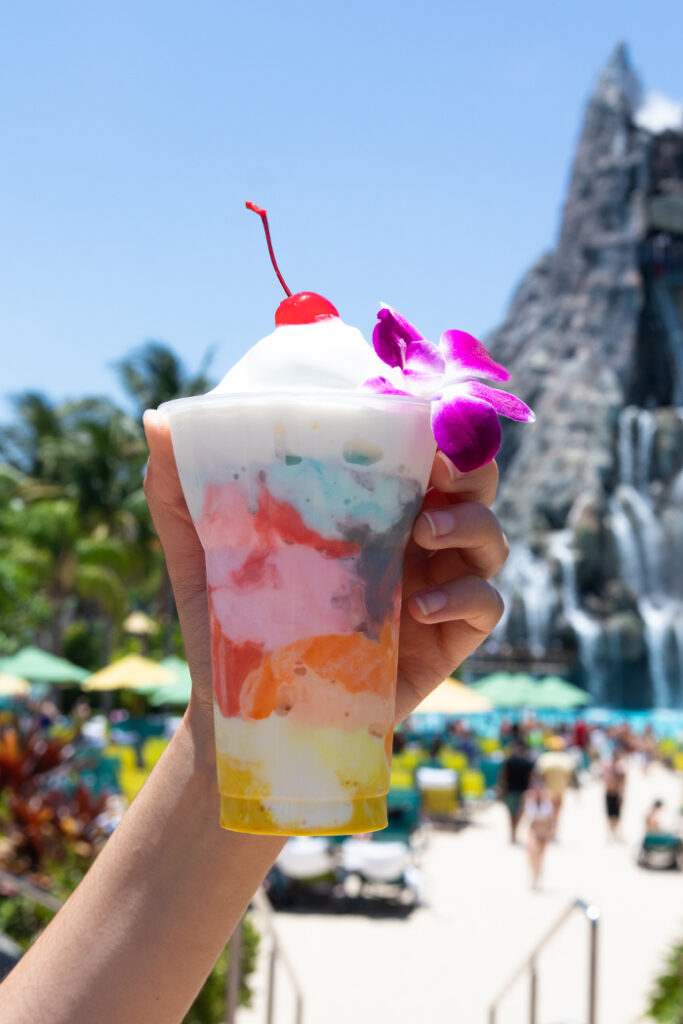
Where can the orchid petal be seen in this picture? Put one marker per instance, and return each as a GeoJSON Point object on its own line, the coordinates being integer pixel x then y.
{"type": "Point", "coordinates": [504, 403]}
{"type": "Point", "coordinates": [466, 428]}
{"type": "Point", "coordinates": [382, 386]}
{"type": "Point", "coordinates": [467, 356]}
{"type": "Point", "coordinates": [391, 336]}
{"type": "Point", "coordinates": [423, 359]}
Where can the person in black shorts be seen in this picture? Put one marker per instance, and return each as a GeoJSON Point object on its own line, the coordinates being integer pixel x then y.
{"type": "Point", "coordinates": [513, 782]}
{"type": "Point", "coordinates": [614, 776]}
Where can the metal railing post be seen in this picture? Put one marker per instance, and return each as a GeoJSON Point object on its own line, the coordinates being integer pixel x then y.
{"type": "Point", "coordinates": [277, 955]}
{"type": "Point", "coordinates": [232, 995]}
{"type": "Point", "coordinates": [593, 915]}
{"type": "Point", "coordinates": [530, 964]}
{"type": "Point", "coordinates": [271, 983]}
{"type": "Point", "coordinates": [533, 993]}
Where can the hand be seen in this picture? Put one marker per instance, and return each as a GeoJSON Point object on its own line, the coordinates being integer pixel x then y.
{"type": "Point", "coordinates": [449, 608]}
{"type": "Point", "coordinates": [184, 556]}
{"type": "Point", "coordinates": [447, 568]}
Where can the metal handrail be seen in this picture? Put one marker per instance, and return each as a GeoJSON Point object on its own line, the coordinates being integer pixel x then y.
{"type": "Point", "coordinates": [592, 914]}
{"type": "Point", "coordinates": [265, 908]}
{"type": "Point", "coordinates": [40, 896]}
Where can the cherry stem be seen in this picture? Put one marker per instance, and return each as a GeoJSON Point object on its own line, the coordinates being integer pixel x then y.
{"type": "Point", "coordinates": [264, 217]}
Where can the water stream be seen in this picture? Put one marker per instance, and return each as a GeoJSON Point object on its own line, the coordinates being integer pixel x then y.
{"type": "Point", "coordinates": [646, 547]}
{"type": "Point", "coordinates": [642, 548]}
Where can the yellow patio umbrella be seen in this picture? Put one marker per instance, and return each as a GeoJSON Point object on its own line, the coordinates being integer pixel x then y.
{"type": "Point", "coordinates": [130, 673]}
{"type": "Point", "coordinates": [453, 698]}
{"type": "Point", "coordinates": [13, 686]}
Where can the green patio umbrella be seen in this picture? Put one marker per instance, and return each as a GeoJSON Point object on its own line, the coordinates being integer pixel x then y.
{"type": "Point", "coordinates": [557, 694]}
{"type": "Point", "coordinates": [508, 689]}
{"type": "Point", "coordinates": [178, 691]}
{"type": "Point", "coordinates": [40, 667]}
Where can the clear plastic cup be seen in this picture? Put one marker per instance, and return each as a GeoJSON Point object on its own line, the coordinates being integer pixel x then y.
{"type": "Point", "coordinates": [304, 503]}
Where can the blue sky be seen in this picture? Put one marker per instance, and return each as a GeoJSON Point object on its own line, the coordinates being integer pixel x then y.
{"type": "Point", "coordinates": [413, 154]}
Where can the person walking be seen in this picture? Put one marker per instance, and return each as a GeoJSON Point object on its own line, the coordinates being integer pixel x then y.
{"type": "Point", "coordinates": [539, 812]}
{"type": "Point", "coordinates": [513, 782]}
{"type": "Point", "coordinates": [557, 768]}
{"type": "Point", "coordinates": [614, 777]}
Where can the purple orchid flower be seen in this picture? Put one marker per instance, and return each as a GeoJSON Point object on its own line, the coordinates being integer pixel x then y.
{"type": "Point", "coordinates": [464, 410]}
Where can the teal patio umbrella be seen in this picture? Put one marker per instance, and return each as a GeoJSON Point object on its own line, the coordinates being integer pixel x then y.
{"type": "Point", "coordinates": [507, 689]}
{"type": "Point", "coordinates": [40, 667]}
{"type": "Point", "coordinates": [556, 694]}
{"type": "Point", "coordinates": [178, 691]}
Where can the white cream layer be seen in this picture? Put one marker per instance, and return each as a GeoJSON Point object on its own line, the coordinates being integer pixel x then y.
{"type": "Point", "coordinates": [292, 761]}
{"type": "Point", "coordinates": [324, 354]}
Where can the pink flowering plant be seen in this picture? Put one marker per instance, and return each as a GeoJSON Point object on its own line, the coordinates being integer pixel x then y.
{"type": "Point", "coordinates": [465, 410]}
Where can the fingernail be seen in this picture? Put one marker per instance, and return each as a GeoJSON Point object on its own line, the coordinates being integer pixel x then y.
{"type": "Point", "coordinates": [431, 601]}
{"type": "Point", "coordinates": [442, 521]}
{"type": "Point", "coordinates": [150, 417]}
{"type": "Point", "coordinates": [450, 468]}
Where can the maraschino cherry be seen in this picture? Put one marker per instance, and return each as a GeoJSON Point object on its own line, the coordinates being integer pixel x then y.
{"type": "Point", "coordinates": [303, 307]}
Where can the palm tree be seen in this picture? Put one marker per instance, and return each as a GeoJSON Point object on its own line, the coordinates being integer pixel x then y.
{"type": "Point", "coordinates": [151, 375]}
{"type": "Point", "coordinates": [76, 538]}
{"type": "Point", "coordinates": [50, 572]}
{"type": "Point", "coordinates": [69, 542]}
{"type": "Point", "coordinates": [100, 458]}
{"type": "Point", "coordinates": [154, 374]}
{"type": "Point", "coordinates": [22, 444]}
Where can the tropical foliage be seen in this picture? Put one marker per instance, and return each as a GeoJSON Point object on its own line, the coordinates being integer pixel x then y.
{"type": "Point", "coordinates": [666, 999]}
{"type": "Point", "coordinates": [51, 829]}
{"type": "Point", "coordinates": [77, 547]}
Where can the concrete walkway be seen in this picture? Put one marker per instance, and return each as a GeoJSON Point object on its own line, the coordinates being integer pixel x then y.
{"type": "Point", "coordinates": [446, 960]}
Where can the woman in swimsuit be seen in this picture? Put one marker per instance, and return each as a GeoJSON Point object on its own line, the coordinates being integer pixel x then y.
{"type": "Point", "coordinates": [539, 813]}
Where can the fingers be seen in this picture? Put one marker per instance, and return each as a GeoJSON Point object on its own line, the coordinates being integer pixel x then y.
{"type": "Point", "coordinates": [471, 528]}
{"type": "Point", "coordinates": [470, 600]}
{"type": "Point", "coordinates": [480, 485]}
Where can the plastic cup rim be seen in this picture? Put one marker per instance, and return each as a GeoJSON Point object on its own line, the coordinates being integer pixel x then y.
{"type": "Point", "coordinates": [364, 398]}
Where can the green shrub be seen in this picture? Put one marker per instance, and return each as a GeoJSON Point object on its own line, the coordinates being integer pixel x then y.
{"type": "Point", "coordinates": [666, 999]}
{"type": "Point", "coordinates": [209, 1006]}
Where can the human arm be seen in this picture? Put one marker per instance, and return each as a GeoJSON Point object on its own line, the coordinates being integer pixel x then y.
{"type": "Point", "coordinates": [137, 939]}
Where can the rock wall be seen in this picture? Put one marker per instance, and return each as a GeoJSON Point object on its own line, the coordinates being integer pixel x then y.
{"type": "Point", "coordinates": [591, 494]}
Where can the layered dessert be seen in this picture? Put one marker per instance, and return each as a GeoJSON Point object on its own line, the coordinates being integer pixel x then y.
{"type": "Point", "coordinates": [304, 501]}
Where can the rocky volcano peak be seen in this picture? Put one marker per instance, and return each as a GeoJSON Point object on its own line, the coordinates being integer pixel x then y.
{"type": "Point", "coordinates": [594, 341]}
{"type": "Point", "coordinates": [618, 86]}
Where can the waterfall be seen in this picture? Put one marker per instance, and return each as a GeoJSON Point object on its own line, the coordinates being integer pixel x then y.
{"type": "Point", "coordinates": [678, 640]}
{"type": "Point", "coordinates": [628, 553]}
{"type": "Point", "coordinates": [657, 623]}
{"type": "Point", "coordinates": [528, 579]}
{"type": "Point", "coordinates": [587, 629]}
{"type": "Point", "coordinates": [647, 428]}
{"type": "Point", "coordinates": [648, 534]}
{"type": "Point", "coordinates": [646, 526]}
{"type": "Point", "coordinates": [644, 550]}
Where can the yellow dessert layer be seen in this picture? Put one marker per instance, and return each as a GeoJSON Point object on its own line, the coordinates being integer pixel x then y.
{"type": "Point", "coordinates": [303, 818]}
